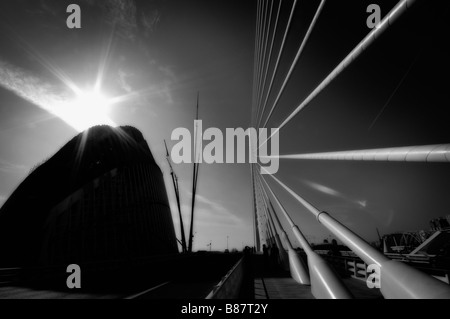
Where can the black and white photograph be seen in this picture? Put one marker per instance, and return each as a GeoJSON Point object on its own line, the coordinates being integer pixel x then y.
{"type": "Point", "coordinates": [217, 155]}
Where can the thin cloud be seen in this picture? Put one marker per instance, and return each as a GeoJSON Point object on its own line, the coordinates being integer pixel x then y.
{"type": "Point", "coordinates": [332, 192]}
{"type": "Point", "coordinates": [169, 79]}
{"type": "Point", "coordinates": [8, 167]}
{"type": "Point", "coordinates": [149, 21]}
{"type": "Point", "coordinates": [144, 85]}
{"type": "Point", "coordinates": [122, 15]}
{"type": "Point", "coordinates": [30, 87]}
{"type": "Point", "coordinates": [207, 212]}
{"type": "Point", "coordinates": [362, 203]}
{"type": "Point", "coordinates": [123, 81]}
{"type": "Point", "coordinates": [205, 216]}
{"type": "Point", "coordinates": [209, 217]}
{"type": "Point", "coordinates": [215, 212]}
{"type": "Point", "coordinates": [49, 6]}
{"type": "Point", "coordinates": [52, 98]}
{"type": "Point", "coordinates": [323, 189]}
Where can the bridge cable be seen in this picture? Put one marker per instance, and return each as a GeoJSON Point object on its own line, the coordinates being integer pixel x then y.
{"type": "Point", "coordinates": [298, 234]}
{"type": "Point", "coordinates": [255, 64]}
{"type": "Point", "coordinates": [358, 245]}
{"type": "Point", "coordinates": [439, 153]}
{"type": "Point", "coordinates": [296, 267]}
{"type": "Point", "coordinates": [270, 54]}
{"type": "Point", "coordinates": [280, 52]}
{"type": "Point", "coordinates": [325, 282]}
{"type": "Point", "coordinates": [284, 257]}
{"type": "Point", "coordinates": [255, 213]}
{"type": "Point", "coordinates": [398, 280]}
{"type": "Point", "coordinates": [296, 59]}
{"type": "Point", "coordinates": [384, 25]}
{"type": "Point", "coordinates": [267, 213]}
{"type": "Point", "coordinates": [261, 47]}
{"type": "Point", "coordinates": [264, 65]}
{"type": "Point", "coordinates": [268, 202]}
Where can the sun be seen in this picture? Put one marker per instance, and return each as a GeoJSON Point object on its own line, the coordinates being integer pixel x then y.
{"type": "Point", "coordinates": [87, 109]}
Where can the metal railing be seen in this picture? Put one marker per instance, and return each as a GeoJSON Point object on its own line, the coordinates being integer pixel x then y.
{"type": "Point", "coordinates": [397, 279]}
{"type": "Point", "coordinates": [230, 285]}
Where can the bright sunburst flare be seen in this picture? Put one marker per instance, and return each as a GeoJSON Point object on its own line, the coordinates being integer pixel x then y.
{"type": "Point", "coordinates": [80, 109]}
{"type": "Point", "coordinates": [89, 108]}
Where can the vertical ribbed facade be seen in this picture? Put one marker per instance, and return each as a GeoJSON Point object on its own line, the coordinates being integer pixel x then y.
{"type": "Point", "coordinates": [122, 215]}
{"type": "Point", "coordinates": [100, 198]}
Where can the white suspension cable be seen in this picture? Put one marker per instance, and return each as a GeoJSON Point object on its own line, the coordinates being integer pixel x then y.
{"type": "Point", "coordinates": [280, 52]}
{"type": "Point", "coordinates": [270, 53]}
{"type": "Point", "coordinates": [297, 58]}
{"type": "Point", "coordinates": [428, 153]}
{"type": "Point", "coordinates": [393, 15]}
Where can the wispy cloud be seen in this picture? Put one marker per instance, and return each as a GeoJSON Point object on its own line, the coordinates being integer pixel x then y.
{"type": "Point", "coordinates": [125, 16]}
{"type": "Point", "coordinates": [207, 212]}
{"type": "Point", "coordinates": [169, 79]}
{"type": "Point", "coordinates": [122, 15]}
{"type": "Point", "coordinates": [30, 87]}
{"type": "Point", "coordinates": [149, 21]}
{"type": "Point", "coordinates": [55, 99]}
{"type": "Point", "coordinates": [363, 203]}
{"type": "Point", "coordinates": [7, 167]}
{"type": "Point", "coordinates": [213, 212]}
{"type": "Point", "coordinates": [323, 189]}
{"type": "Point", "coordinates": [141, 82]}
{"type": "Point", "coordinates": [123, 81]}
{"type": "Point", "coordinates": [129, 20]}
{"type": "Point", "coordinates": [332, 192]}
{"type": "Point", "coordinates": [145, 84]}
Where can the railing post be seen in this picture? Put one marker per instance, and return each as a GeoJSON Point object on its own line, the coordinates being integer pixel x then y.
{"type": "Point", "coordinates": [397, 280]}
{"type": "Point", "coordinates": [297, 267]}
{"type": "Point", "coordinates": [283, 255]}
{"type": "Point", "coordinates": [325, 282]}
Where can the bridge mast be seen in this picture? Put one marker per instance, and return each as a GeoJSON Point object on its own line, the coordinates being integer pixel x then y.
{"type": "Point", "coordinates": [255, 213]}
{"type": "Point", "coordinates": [194, 180]}
{"type": "Point", "coordinates": [177, 194]}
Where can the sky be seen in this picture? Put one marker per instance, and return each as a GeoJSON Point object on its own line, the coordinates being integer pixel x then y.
{"type": "Point", "coordinates": [151, 58]}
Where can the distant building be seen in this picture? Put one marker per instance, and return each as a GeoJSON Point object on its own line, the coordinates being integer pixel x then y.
{"type": "Point", "coordinates": [100, 198]}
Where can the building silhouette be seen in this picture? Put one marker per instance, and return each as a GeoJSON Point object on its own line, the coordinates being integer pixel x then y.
{"type": "Point", "coordinates": [100, 198]}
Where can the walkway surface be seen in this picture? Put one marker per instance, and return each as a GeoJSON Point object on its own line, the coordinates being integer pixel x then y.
{"type": "Point", "coordinates": [281, 288]}
{"type": "Point", "coordinates": [273, 283]}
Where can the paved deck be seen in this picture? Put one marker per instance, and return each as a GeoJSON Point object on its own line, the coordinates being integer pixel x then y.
{"type": "Point", "coordinates": [29, 293]}
{"type": "Point", "coordinates": [273, 283]}
{"type": "Point", "coordinates": [281, 288]}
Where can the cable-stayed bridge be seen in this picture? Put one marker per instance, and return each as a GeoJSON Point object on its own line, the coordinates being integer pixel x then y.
{"type": "Point", "coordinates": [397, 280]}
{"type": "Point", "coordinates": [288, 272]}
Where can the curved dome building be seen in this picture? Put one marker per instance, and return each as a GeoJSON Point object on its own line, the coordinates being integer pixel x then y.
{"type": "Point", "coordinates": [100, 198]}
